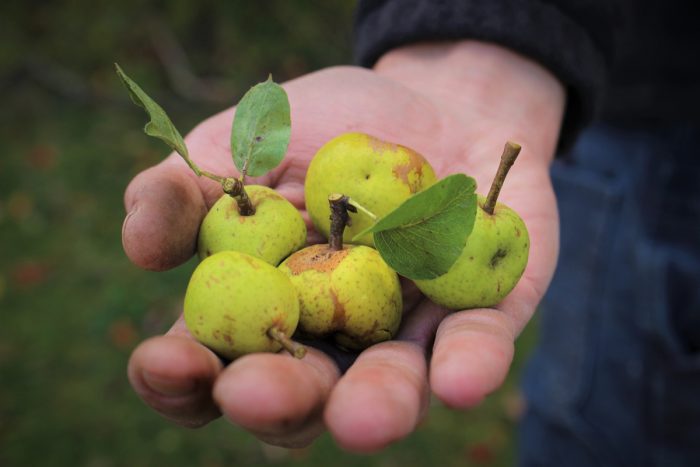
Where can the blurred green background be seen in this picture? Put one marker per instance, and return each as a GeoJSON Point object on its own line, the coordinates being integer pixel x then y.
{"type": "Point", "coordinates": [71, 306]}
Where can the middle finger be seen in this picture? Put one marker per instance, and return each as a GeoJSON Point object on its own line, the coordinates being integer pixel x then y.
{"type": "Point", "coordinates": [277, 397]}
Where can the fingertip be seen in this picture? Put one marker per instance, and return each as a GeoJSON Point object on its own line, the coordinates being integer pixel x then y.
{"type": "Point", "coordinates": [471, 358]}
{"type": "Point", "coordinates": [455, 387]}
{"type": "Point", "coordinates": [380, 399]}
{"type": "Point", "coordinates": [172, 358]}
{"type": "Point", "coordinates": [359, 430]}
{"type": "Point", "coordinates": [275, 393]}
{"type": "Point", "coordinates": [174, 376]}
{"type": "Point", "coordinates": [165, 207]}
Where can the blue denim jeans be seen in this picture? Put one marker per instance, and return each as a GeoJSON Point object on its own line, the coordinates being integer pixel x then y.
{"type": "Point", "coordinates": [615, 379]}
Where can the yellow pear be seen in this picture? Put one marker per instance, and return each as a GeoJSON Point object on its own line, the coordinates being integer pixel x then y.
{"type": "Point", "coordinates": [490, 265]}
{"type": "Point", "coordinates": [376, 174]}
{"type": "Point", "coordinates": [350, 294]}
{"type": "Point", "coordinates": [494, 256]}
{"type": "Point", "coordinates": [346, 292]}
{"type": "Point", "coordinates": [272, 233]}
{"type": "Point", "coordinates": [237, 304]}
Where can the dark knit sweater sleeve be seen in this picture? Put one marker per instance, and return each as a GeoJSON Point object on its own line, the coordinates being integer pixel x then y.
{"type": "Point", "coordinates": [570, 38]}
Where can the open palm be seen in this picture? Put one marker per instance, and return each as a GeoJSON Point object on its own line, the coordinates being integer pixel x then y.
{"type": "Point", "coordinates": [459, 123]}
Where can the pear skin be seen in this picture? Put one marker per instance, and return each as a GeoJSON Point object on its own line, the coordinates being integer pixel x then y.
{"type": "Point", "coordinates": [490, 265]}
{"type": "Point", "coordinates": [376, 174]}
{"type": "Point", "coordinates": [274, 232]}
{"type": "Point", "coordinates": [234, 299]}
{"type": "Point", "coordinates": [350, 294]}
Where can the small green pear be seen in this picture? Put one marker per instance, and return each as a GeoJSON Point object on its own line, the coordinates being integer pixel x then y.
{"type": "Point", "coordinates": [272, 233]}
{"type": "Point", "coordinates": [494, 256]}
{"type": "Point", "coordinates": [237, 304]}
{"type": "Point", "coordinates": [376, 174]}
{"type": "Point", "coordinates": [345, 291]}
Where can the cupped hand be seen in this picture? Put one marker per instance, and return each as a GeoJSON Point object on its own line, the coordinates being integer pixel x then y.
{"type": "Point", "coordinates": [457, 104]}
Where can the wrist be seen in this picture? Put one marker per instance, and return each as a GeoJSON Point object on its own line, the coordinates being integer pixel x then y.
{"type": "Point", "coordinates": [473, 78]}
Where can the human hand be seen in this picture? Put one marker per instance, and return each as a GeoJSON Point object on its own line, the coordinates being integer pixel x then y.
{"type": "Point", "coordinates": [454, 103]}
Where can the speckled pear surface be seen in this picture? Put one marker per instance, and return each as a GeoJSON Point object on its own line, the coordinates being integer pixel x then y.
{"type": "Point", "coordinates": [376, 174]}
{"type": "Point", "coordinates": [233, 299]}
{"type": "Point", "coordinates": [271, 234]}
{"type": "Point", "coordinates": [490, 265]}
{"type": "Point", "coordinates": [350, 294]}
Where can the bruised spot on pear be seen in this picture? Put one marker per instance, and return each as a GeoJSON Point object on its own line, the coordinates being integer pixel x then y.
{"type": "Point", "coordinates": [339, 317]}
{"type": "Point", "coordinates": [498, 257]}
{"type": "Point", "coordinates": [414, 166]}
{"type": "Point", "coordinates": [261, 196]}
{"type": "Point", "coordinates": [317, 257]}
{"type": "Point", "coordinates": [378, 145]}
{"type": "Point", "coordinates": [251, 261]}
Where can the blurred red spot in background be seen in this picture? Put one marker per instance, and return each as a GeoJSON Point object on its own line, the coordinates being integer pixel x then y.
{"type": "Point", "coordinates": [42, 157]}
{"type": "Point", "coordinates": [122, 334]}
{"type": "Point", "coordinates": [481, 453]}
{"type": "Point", "coordinates": [20, 206]}
{"type": "Point", "coordinates": [28, 274]}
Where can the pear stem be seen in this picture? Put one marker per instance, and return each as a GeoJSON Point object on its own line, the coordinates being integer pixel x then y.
{"type": "Point", "coordinates": [294, 348]}
{"type": "Point", "coordinates": [340, 206]}
{"type": "Point", "coordinates": [236, 189]}
{"type": "Point", "coordinates": [510, 153]}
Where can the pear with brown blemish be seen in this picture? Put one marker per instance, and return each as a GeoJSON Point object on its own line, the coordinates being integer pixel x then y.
{"type": "Point", "coordinates": [494, 256]}
{"type": "Point", "coordinates": [237, 304]}
{"type": "Point", "coordinates": [346, 292]}
{"type": "Point", "coordinates": [272, 232]}
{"type": "Point", "coordinates": [376, 174]}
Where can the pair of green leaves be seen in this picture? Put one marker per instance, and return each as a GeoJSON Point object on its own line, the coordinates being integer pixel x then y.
{"type": "Point", "coordinates": [420, 239]}
{"type": "Point", "coordinates": [259, 134]}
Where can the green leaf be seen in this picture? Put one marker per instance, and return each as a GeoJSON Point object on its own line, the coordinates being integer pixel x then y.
{"type": "Point", "coordinates": [424, 236]}
{"type": "Point", "coordinates": [261, 129]}
{"type": "Point", "coordinates": [160, 125]}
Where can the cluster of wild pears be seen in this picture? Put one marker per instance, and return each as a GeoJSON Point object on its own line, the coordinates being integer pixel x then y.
{"type": "Point", "coordinates": [257, 284]}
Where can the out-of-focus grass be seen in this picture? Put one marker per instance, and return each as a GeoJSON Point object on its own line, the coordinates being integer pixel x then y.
{"type": "Point", "coordinates": [71, 305]}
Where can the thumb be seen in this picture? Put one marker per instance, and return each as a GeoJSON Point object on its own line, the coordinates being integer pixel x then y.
{"type": "Point", "coordinates": [164, 207]}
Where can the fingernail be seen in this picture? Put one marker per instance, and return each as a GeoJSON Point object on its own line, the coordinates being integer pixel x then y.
{"type": "Point", "coordinates": [128, 217]}
{"type": "Point", "coordinates": [168, 386]}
